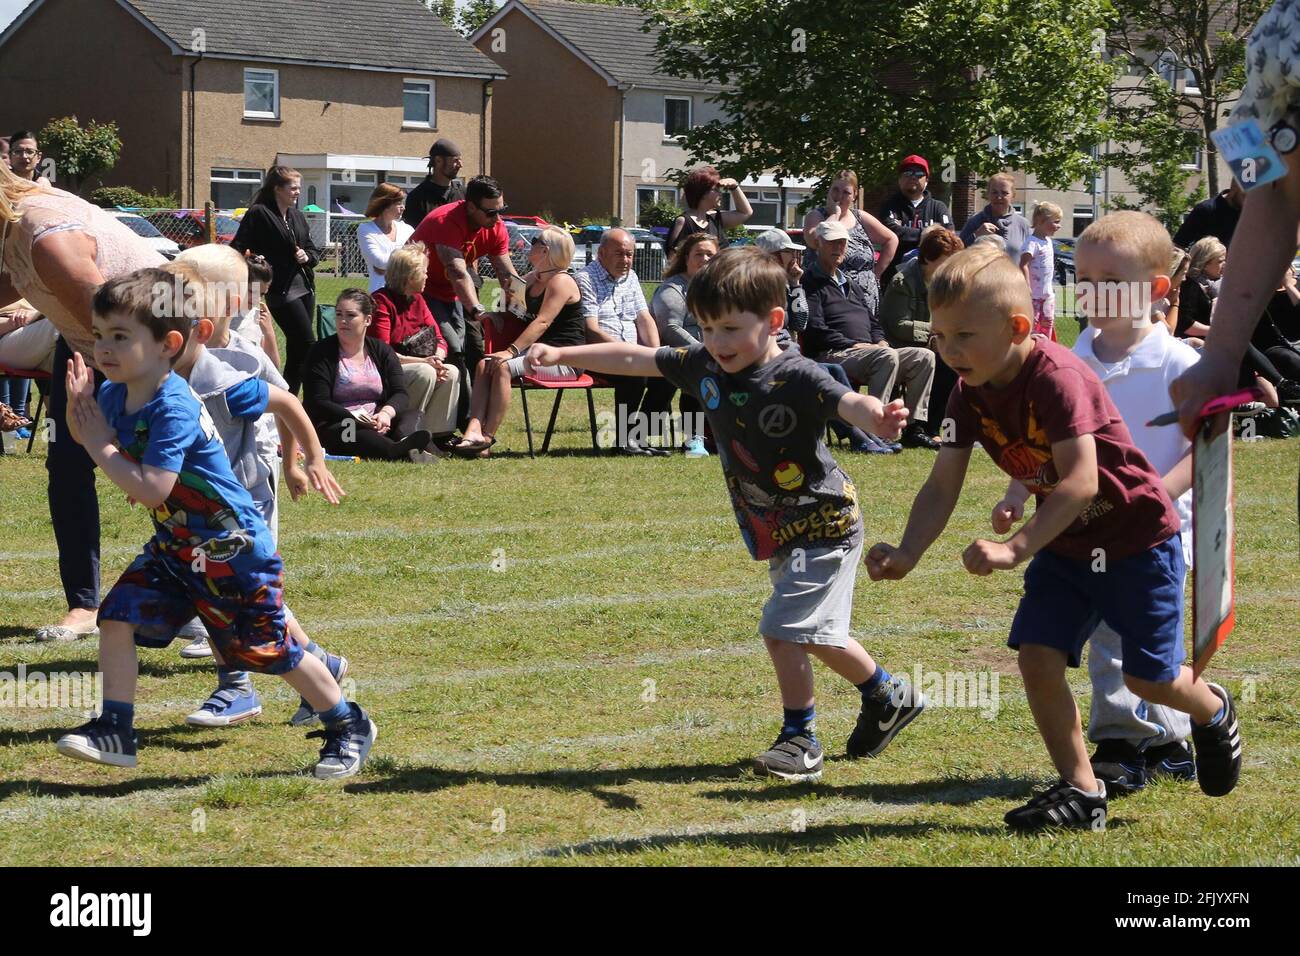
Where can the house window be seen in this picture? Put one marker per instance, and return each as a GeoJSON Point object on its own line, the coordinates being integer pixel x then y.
{"type": "Point", "coordinates": [1004, 146]}
{"type": "Point", "coordinates": [262, 94]}
{"type": "Point", "coordinates": [234, 188]}
{"type": "Point", "coordinates": [766, 204]}
{"type": "Point", "coordinates": [418, 107]}
{"type": "Point", "coordinates": [645, 195]}
{"type": "Point", "coordinates": [405, 180]}
{"type": "Point", "coordinates": [677, 116]}
{"type": "Point", "coordinates": [1082, 219]}
{"type": "Point", "coordinates": [350, 190]}
{"type": "Point", "coordinates": [1172, 73]}
{"type": "Point", "coordinates": [1194, 163]}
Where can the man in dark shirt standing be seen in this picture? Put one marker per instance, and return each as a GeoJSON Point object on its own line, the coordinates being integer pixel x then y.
{"type": "Point", "coordinates": [843, 330]}
{"type": "Point", "coordinates": [911, 210]}
{"type": "Point", "coordinates": [1215, 217]}
{"type": "Point", "coordinates": [439, 187]}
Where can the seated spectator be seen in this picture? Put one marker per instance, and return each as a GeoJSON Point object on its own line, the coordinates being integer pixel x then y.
{"type": "Point", "coordinates": [678, 327]}
{"type": "Point", "coordinates": [27, 341]}
{"type": "Point", "coordinates": [403, 321]}
{"type": "Point", "coordinates": [554, 316]}
{"type": "Point", "coordinates": [1275, 334]}
{"type": "Point", "coordinates": [871, 245]}
{"type": "Point", "coordinates": [384, 232]}
{"type": "Point", "coordinates": [843, 330]}
{"type": "Point", "coordinates": [702, 190]}
{"type": "Point", "coordinates": [778, 244]}
{"type": "Point", "coordinates": [905, 310]}
{"type": "Point", "coordinates": [1205, 261]}
{"type": "Point", "coordinates": [999, 218]}
{"type": "Point", "coordinates": [355, 393]}
{"type": "Point", "coordinates": [615, 310]}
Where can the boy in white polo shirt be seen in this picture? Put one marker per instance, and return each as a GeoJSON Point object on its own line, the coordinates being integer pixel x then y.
{"type": "Point", "coordinates": [1121, 260]}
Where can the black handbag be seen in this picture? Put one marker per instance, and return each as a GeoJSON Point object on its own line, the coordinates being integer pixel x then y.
{"type": "Point", "coordinates": [421, 344]}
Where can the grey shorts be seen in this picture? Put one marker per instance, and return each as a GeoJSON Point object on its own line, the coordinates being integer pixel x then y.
{"type": "Point", "coordinates": [812, 596]}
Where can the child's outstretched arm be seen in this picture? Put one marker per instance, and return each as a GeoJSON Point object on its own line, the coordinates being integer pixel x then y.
{"type": "Point", "coordinates": [608, 358]}
{"type": "Point", "coordinates": [930, 513]}
{"type": "Point", "coordinates": [143, 483]}
{"type": "Point", "coordinates": [1179, 478]}
{"type": "Point", "coordinates": [1076, 463]}
{"type": "Point", "coordinates": [286, 407]}
{"type": "Point", "coordinates": [1011, 508]}
{"type": "Point", "coordinates": [867, 413]}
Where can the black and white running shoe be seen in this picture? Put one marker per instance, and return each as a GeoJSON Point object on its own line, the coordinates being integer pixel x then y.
{"type": "Point", "coordinates": [1120, 766]}
{"type": "Point", "coordinates": [891, 707]}
{"type": "Point", "coordinates": [1060, 805]}
{"type": "Point", "coordinates": [100, 741]}
{"type": "Point", "coordinates": [1171, 761]}
{"type": "Point", "coordinates": [1218, 750]}
{"type": "Point", "coordinates": [793, 757]}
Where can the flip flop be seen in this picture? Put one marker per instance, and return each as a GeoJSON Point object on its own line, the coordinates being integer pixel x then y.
{"type": "Point", "coordinates": [470, 449]}
{"type": "Point", "coordinates": [60, 632]}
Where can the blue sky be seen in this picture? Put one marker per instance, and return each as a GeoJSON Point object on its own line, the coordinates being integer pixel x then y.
{"type": "Point", "coordinates": [10, 9]}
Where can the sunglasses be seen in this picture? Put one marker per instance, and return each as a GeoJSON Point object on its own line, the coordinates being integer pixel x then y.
{"type": "Point", "coordinates": [493, 213]}
{"type": "Point", "coordinates": [915, 173]}
{"type": "Point", "coordinates": [538, 241]}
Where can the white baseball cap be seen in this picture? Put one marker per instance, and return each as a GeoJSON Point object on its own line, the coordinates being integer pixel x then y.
{"type": "Point", "coordinates": [776, 240]}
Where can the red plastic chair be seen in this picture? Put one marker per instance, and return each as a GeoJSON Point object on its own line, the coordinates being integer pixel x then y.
{"type": "Point", "coordinates": [35, 375]}
{"type": "Point", "coordinates": [495, 340]}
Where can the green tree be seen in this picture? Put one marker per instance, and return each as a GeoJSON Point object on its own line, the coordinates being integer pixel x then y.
{"type": "Point", "coordinates": [444, 10]}
{"type": "Point", "coordinates": [810, 86]}
{"type": "Point", "coordinates": [659, 213]}
{"type": "Point", "coordinates": [1195, 49]}
{"type": "Point", "coordinates": [79, 153]}
{"type": "Point", "coordinates": [474, 14]}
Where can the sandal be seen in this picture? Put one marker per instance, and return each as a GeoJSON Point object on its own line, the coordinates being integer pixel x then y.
{"type": "Point", "coordinates": [61, 632]}
{"type": "Point", "coordinates": [11, 420]}
{"type": "Point", "coordinates": [471, 449]}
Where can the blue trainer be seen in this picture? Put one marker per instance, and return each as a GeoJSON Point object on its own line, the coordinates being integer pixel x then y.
{"type": "Point", "coordinates": [226, 706]}
{"type": "Point", "coordinates": [100, 741]}
{"type": "Point", "coordinates": [304, 715]}
{"type": "Point", "coordinates": [695, 448]}
{"type": "Point", "coordinates": [346, 746]}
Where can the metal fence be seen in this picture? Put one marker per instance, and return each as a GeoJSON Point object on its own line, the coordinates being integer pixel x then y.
{"type": "Point", "coordinates": [170, 231]}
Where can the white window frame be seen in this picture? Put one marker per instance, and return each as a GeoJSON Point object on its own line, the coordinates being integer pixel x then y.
{"type": "Point", "coordinates": [275, 94]}
{"type": "Point", "coordinates": [1195, 163]}
{"type": "Point", "coordinates": [432, 87]}
{"type": "Point", "coordinates": [690, 117]}
{"type": "Point", "coordinates": [658, 193]}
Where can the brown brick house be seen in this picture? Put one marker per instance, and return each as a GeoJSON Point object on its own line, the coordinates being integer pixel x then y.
{"type": "Point", "coordinates": [208, 94]}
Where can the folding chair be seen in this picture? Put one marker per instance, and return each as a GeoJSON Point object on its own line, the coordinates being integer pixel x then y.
{"type": "Point", "coordinates": [325, 324]}
{"type": "Point", "coordinates": [494, 340]}
{"type": "Point", "coordinates": [40, 378]}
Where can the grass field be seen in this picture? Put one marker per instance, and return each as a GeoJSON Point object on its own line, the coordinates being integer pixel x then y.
{"type": "Point", "coordinates": [561, 658]}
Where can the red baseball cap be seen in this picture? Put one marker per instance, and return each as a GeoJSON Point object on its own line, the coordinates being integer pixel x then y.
{"type": "Point", "coordinates": [914, 160]}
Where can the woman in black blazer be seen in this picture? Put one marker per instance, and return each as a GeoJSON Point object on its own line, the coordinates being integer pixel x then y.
{"type": "Point", "coordinates": [392, 430]}
{"type": "Point", "coordinates": [275, 229]}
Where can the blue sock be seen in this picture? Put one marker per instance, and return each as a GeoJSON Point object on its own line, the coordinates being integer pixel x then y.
{"type": "Point", "coordinates": [800, 721]}
{"type": "Point", "coordinates": [318, 652]}
{"type": "Point", "coordinates": [340, 713]}
{"type": "Point", "coordinates": [119, 714]}
{"type": "Point", "coordinates": [233, 678]}
{"type": "Point", "coordinates": [1218, 718]}
{"type": "Point", "coordinates": [875, 680]}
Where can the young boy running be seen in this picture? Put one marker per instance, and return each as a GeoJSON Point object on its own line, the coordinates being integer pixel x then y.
{"type": "Point", "coordinates": [796, 509]}
{"type": "Point", "coordinates": [211, 552]}
{"type": "Point", "coordinates": [1104, 539]}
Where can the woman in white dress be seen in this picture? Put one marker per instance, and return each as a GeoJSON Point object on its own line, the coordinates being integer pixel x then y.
{"type": "Point", "coordinates": [384, 232]}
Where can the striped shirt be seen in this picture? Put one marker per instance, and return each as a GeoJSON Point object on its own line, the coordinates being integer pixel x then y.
{"type": "Point", "coordinates": [614, 302]}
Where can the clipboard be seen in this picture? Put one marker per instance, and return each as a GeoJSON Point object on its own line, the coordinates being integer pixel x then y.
{"type": "Point", "coordinates": [518, 288]}
{"type": "Point", "coordinates": [1213, 529]}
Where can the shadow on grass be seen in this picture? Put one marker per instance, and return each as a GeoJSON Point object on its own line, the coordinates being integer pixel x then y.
{"type": "Point", "coordinates": [148, 667]}
{"type": "Point", "coordinates": [118, 788]}
{"type": "Point", "coordinates": [953, 791]}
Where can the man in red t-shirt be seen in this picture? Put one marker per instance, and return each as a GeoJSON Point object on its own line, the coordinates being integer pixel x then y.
{"type": "Point", "coordinates": [457, 235]}
{"type": "Point", "coordinates": [1104, 539]}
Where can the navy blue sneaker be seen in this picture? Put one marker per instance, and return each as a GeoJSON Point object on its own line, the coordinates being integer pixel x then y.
{"type": "Point", "coordinates": [870, 445]}
{"type": "Point", "coordinates": [226, 706]}
{"type": "Point", "coordinates": [1174, 761]}
{"type": "Point", "coordinates": [794, 757]}
{"type": "Point", "coordinates": [346, 746]}
{"type": "Point", "coordinates": [304, 715]}
{"type": "Point", "coordinates": [893, 705]}
{"type": "Point", "coordinates": [1119, 765]}
{"type": "Point", "coordinates": [100, 741]}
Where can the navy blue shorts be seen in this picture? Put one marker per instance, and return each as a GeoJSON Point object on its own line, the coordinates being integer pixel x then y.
{"type": "Point", "coordinates": [1140, 597]}
{"type": "Point", "coordinates": [244, 614]}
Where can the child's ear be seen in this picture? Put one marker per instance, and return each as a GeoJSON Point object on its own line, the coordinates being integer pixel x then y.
{"type": "Point", "coordinates": [775, 320]}
{"type": "Point", "coordinates": [1160, 287]}
{"type": "Point", "coordinates": [1019, 327]}
{"type": "Point", "coordinates": [202, 332]}
{"type": "Point", "coordinates": [174, 343]}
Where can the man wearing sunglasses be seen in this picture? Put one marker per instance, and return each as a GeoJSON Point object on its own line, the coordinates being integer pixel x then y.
{"type": "Point", "coordinates": [911, 210]}
{"type": "Point", "coordinates": [457, 235]}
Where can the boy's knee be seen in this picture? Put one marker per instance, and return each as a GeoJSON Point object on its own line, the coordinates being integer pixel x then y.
{"type": "Point", "coordinates": [1039, 662]}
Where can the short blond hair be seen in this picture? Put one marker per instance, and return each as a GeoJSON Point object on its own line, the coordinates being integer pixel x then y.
{"type": "Point", "coordinates": [408, 262]}
{"type": "Point", "coordinates": [559, 246]}
{"type": "Point", "coordinates": [1133, 235]}
{"type": "Point", "coordinates": [1204, 251]}
{"type": "Point", "coordinates": [222, 274]}
{"type": "Point", "coordinates": [1006, 178]}
{"type": "Point", "coordinates": [1046, 210]}
{"type": "Point", "coordinates": [983, 275]}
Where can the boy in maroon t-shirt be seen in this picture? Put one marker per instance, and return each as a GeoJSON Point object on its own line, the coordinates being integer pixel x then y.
{"type": "Point", "coordinates": [1104, 538]}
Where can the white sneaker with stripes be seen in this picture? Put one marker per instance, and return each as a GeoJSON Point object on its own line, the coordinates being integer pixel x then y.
{"type": "Point", "coordinates": [100, 742]}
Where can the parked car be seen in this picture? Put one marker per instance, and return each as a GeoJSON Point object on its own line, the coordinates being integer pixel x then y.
{"type": "Point", "coordinates": [520, 239]}
{"type": "Point", "coordinates": [537, 221]}
{"type": "Point", "coordinates": [186, 226]}
{"type": "Point", "coordinates": [1063, 256]}
{"type": "Point", "coordinates": [146, 230]}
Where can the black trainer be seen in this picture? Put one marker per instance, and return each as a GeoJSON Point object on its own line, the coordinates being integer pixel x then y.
{"type": "Point", "coordinates": [1121, 766]}
{"type": "Point", "coordinates": [793, 757]}
{"type": "Point", "coordinates": [891, 707]}
{"type": "Point", "coordinates": [1060, 805]}
{"type": "Point", "coordinates": [1174, 761]}
{"type": "Point", "coordinates": [1218, 750]}
{"type": "Point", "coordinates": [914, 436]}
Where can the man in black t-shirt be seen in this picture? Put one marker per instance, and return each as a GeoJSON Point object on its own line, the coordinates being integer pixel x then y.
{"type": "Point", "coordinates": [439, 187]}
{"type": "Point", "coordinates": [1215, 217]}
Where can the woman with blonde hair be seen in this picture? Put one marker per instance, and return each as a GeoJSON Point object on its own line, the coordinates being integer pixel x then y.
{"type": "Point", "coordinates": [402, 320]}
{"type": "Point", "coordinates": [56, 250]}
{"type": "Point", "coordinates": [553, 315]}
{"type": "Point", "coordinates": [384, 233]}
{"type": "Point", "coordinates": [1200, 289]}
{"type": "Point", "coordinates": [871, 245]}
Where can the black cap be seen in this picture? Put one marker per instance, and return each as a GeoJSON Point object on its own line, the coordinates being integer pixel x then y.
{"type": "Point", "coordinates": [443, 147]}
